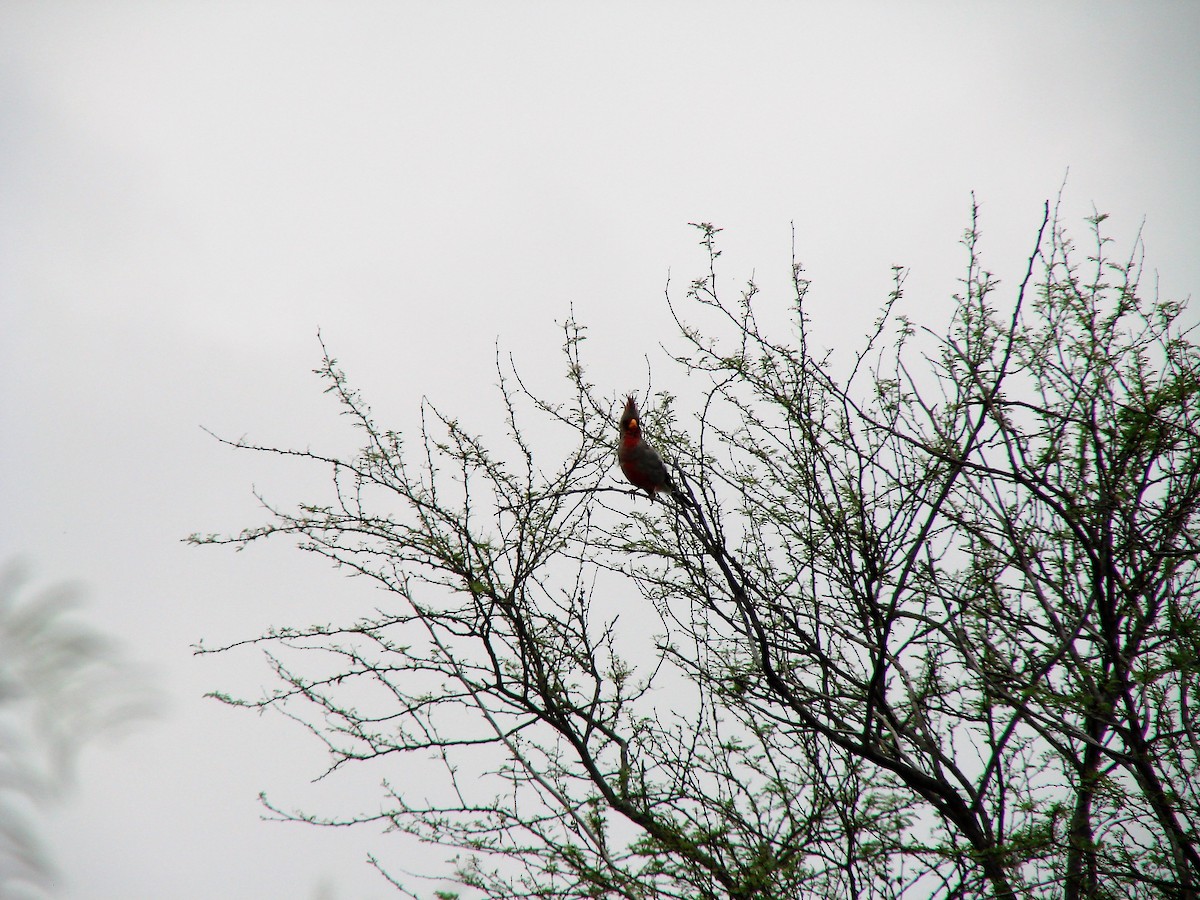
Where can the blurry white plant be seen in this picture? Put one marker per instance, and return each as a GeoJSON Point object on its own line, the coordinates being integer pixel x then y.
{"type": "Point", "coordinates": [63, 683]}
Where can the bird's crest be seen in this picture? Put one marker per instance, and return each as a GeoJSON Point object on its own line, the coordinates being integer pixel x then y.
{"type": "Point", "coordinates": [629, 418]}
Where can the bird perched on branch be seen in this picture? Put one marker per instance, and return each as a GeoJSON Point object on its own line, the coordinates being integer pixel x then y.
{"type": "Point", "coordinates": [639, 461]}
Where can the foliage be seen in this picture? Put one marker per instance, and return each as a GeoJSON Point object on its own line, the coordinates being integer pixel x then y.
{"type": "Point", "coordinates": [62, 683]}
{"type": "Point", "coordinates": [927, 628]}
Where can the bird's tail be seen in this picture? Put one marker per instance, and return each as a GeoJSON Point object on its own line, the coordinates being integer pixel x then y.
{"type": "Point", "coordinates": [683, 499]}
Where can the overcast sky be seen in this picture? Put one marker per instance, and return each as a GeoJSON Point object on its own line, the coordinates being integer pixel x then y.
{"type": "Point", "coordinates": [189, 190]}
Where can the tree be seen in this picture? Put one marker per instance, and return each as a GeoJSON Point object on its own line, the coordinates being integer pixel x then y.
{"type": "Point", "coordinates": [927, 628]}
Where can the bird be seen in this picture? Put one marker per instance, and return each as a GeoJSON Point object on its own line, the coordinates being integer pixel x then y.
{"type": "Point", "coordinates": [639, 461]}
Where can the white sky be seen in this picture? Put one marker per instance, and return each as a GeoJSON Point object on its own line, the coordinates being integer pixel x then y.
{"type": "Point", "coordinates": [189, 190]}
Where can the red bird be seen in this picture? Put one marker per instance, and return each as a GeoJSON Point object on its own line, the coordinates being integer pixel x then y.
{"type": "Point", "coordinates": [639, 461]}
